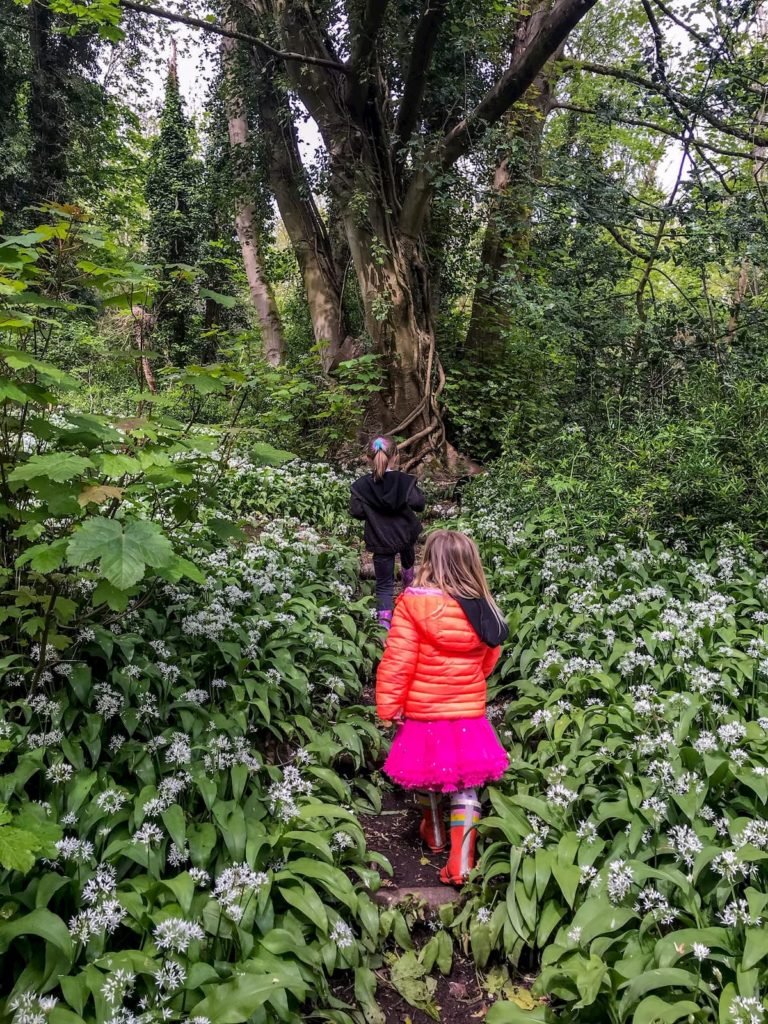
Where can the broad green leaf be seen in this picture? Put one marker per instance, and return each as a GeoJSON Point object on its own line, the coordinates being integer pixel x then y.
{"type": "Point", "coordinates": [510, 1013]}
{"type": "Point", "coordinates": [654, 1010]}
{"type": "Point", "coordinates": [755, 948]}
{"type": "Point", "coordinates": [18, 848]}
{"type": "Point", "coordinates": [660, 977]}
{"type": "Point", "coordinates": [44, 557]}
{"type": "Point", "coordinates": [236, 1001]}
{"type": "Point", "coordinates": [41, 923]}
{"type": "Point", "coordinates": [58, 466]}
{"type": "Point", "coordinates": [229, 301]}
{"type": "Point", "coordinates": [122, 550]}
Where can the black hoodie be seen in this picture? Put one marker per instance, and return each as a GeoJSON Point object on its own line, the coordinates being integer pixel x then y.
{"type": "Point", "coordinates": [388, 507]}
{"type": "Point", "coordinates": [484, 620]}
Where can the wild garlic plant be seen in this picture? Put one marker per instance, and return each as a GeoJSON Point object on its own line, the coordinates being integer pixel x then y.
{"type": "Point", "coordinates": [627, 845]}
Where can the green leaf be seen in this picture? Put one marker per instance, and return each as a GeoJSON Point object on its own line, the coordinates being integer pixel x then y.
{"type": "Point", "coordinates": [58, 466]}
{"type": "Point", "coordinates": [10, 392]}
{"type": "Point", "coordinates": [44, 557]}
{"type": "Point", "coordinates": [116, 466]}
{"type": "Point", "coordinates": [41, 923]}
{"type": "Point", "coordinates": [661, 977]}
{"type": "Point", "coordinates": [654, 1010]}
{"type": "Point", "coordinates": [755, 948]}
{"type": "Point", "coordinates": [122, 550]}
{"type": "Point", "coordinates": [228, 301]}
{"type": "Point", "coordinates": [365, 994]}
{"type": "Point", "coordinates": [589, 979]}
{"type": "Point", "coordinates": [409, 977]}
{"type": "Point", "coordinates": [509, 1013]}
{"type": "Point", "coordinates": [236, 1001]}
{"type": "Point", "coordinates": [265, 455]}
{"type": "Point", "coordinates": [18, 848]}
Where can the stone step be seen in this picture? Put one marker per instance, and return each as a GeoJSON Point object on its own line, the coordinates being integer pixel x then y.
{"type": "Point", "coordinates": [434, 896]}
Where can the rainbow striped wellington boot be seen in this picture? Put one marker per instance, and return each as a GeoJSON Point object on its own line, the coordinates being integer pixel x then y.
{"type": "Point", "coordinates": [465, 814]}
{"type": "Point", "coordinates": [432, 826]}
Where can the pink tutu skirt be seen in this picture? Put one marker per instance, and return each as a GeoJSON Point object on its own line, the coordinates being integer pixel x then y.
{"type": "Point", "coordinates": [446, 755]}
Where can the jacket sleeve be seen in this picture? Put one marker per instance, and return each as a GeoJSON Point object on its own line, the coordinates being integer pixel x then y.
{"type": "Point", "coordinates": [398, 664]}
{"type": "Point", "coordinates": [356, 507]}
{"type": "Point", "coordinates": [490, 660]}
{"type": "Point", "coordinates": [416, 498]}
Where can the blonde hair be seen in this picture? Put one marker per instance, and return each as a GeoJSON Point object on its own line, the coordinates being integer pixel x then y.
{"type": "Point", "coordinates": [383, 454]}
{"type": "Point", "coordinates": [451, 563]}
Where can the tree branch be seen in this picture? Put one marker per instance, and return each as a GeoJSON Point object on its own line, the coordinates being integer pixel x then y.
{"type": "Point", "coordinates": [637, 122]}
{"type": "Point", "coordinates": [658, 39]}
{"type": "Point", "coordinates": [424, 40]}
{"type": "Point", "coordinates": [681, 24]}
{"type": "Point", "coordinates": [661, 89]}
{"type": "Point", "coordinates": [209, 26]}
{"type": "Point", "coordinates": [549, 34]}
{"type": "Point", "coordinates": [368, 32]}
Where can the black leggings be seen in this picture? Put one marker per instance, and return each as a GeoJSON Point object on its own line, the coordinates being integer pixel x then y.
{"type": "Point", "coordinates": [384, 568]}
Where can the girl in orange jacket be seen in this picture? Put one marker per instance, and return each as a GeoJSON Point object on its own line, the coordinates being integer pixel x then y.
{"type": "Point", "coordinates": [444, 643]}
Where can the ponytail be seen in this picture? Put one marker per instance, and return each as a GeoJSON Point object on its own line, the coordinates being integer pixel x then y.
{"type": "Point", "coordinates": [382, 452]}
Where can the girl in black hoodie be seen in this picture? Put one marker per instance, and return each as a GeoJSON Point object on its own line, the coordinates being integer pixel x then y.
{"type": "Point", "coordinates": [387, 501]}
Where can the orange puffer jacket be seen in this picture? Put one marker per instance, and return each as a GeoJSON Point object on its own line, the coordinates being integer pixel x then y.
{"type": "Point", "coordinates": [434, 664]}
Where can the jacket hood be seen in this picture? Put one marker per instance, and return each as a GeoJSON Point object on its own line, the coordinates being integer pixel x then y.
{"type": "Point", "coordinates": [430, 611]}
{"type": "Point", "coordinates": [483, 619]}
{"type": "Point", "coordinates": [387, 495]}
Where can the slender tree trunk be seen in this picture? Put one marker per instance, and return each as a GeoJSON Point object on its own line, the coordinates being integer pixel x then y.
{"type": "Point", "coordinates": [747, 270]}
{"type": "Point", "coordinates": [304, 225]}
{"type": "Point", "coordinates": [246, 221]}
{"type": "Point", "coordinates": [507, 231]}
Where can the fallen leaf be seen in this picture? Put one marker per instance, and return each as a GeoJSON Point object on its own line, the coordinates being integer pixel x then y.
{"type": "Point", "coordinates": [424, 861]}
{"type": "Point", "coordinates": [457, 990]}
{"type": "Point", "coordinates": [520, 997]}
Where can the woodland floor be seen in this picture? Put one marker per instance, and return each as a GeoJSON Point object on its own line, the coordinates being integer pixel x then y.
{"type": "Point", "coordinates": [460, 996]}
{"type": "Point", "coordinates": [394, 832]}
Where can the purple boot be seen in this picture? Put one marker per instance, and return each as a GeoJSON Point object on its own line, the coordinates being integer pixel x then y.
{"type": "Point", "coordinates": [407, 577]}
{"type": "Point", "coordinates": [385, 618]}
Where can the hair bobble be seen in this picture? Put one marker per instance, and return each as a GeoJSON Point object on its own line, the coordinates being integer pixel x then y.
{"type": "Point", "coordinates": [380, 444]}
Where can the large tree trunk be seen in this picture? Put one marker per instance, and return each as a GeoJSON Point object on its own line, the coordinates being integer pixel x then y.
{"type": "Point", "coordinates": [383, 199]}
{"type": "Point", "coordinates": [400, 318]}
{"type": "Point", "coordinates": [246, 221]}
{"type": "Point", "coordinates": [507, 231]}
{"type": "Point", "coordinates": [304, 225]}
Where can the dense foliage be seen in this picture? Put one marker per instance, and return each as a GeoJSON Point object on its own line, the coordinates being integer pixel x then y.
{"type": "Point", "coordinates": [568, 287]}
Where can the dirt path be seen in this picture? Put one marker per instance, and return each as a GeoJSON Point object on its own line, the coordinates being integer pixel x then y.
{"type": "Point", "coordinates": [394, 832]}
{"type": "Point", "coordinates": [459, 996]}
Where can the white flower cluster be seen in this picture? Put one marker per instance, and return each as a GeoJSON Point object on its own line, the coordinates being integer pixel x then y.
{"type": "Point", "coordinates": [234, 886]}
{"type": "Point", "coordinates": [104, 912]}
{"type": "Point", "coordinates": [282, 795]}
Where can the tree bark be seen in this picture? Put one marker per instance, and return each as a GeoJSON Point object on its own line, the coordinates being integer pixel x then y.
{"type": "Point", "coordinates": [509, 218]}
{"type": "Point", "coordinates": [747, 271]}
{"type": "Point", "coordinates": [246, 222]}
{"type": "Point", "coordinates": [143, 322]}
{"type": "Point", "coordinates": [304, 225]}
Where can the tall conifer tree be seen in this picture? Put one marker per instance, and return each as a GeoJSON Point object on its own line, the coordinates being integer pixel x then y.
{"type": "Point", "coordinates": [173, 240]}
